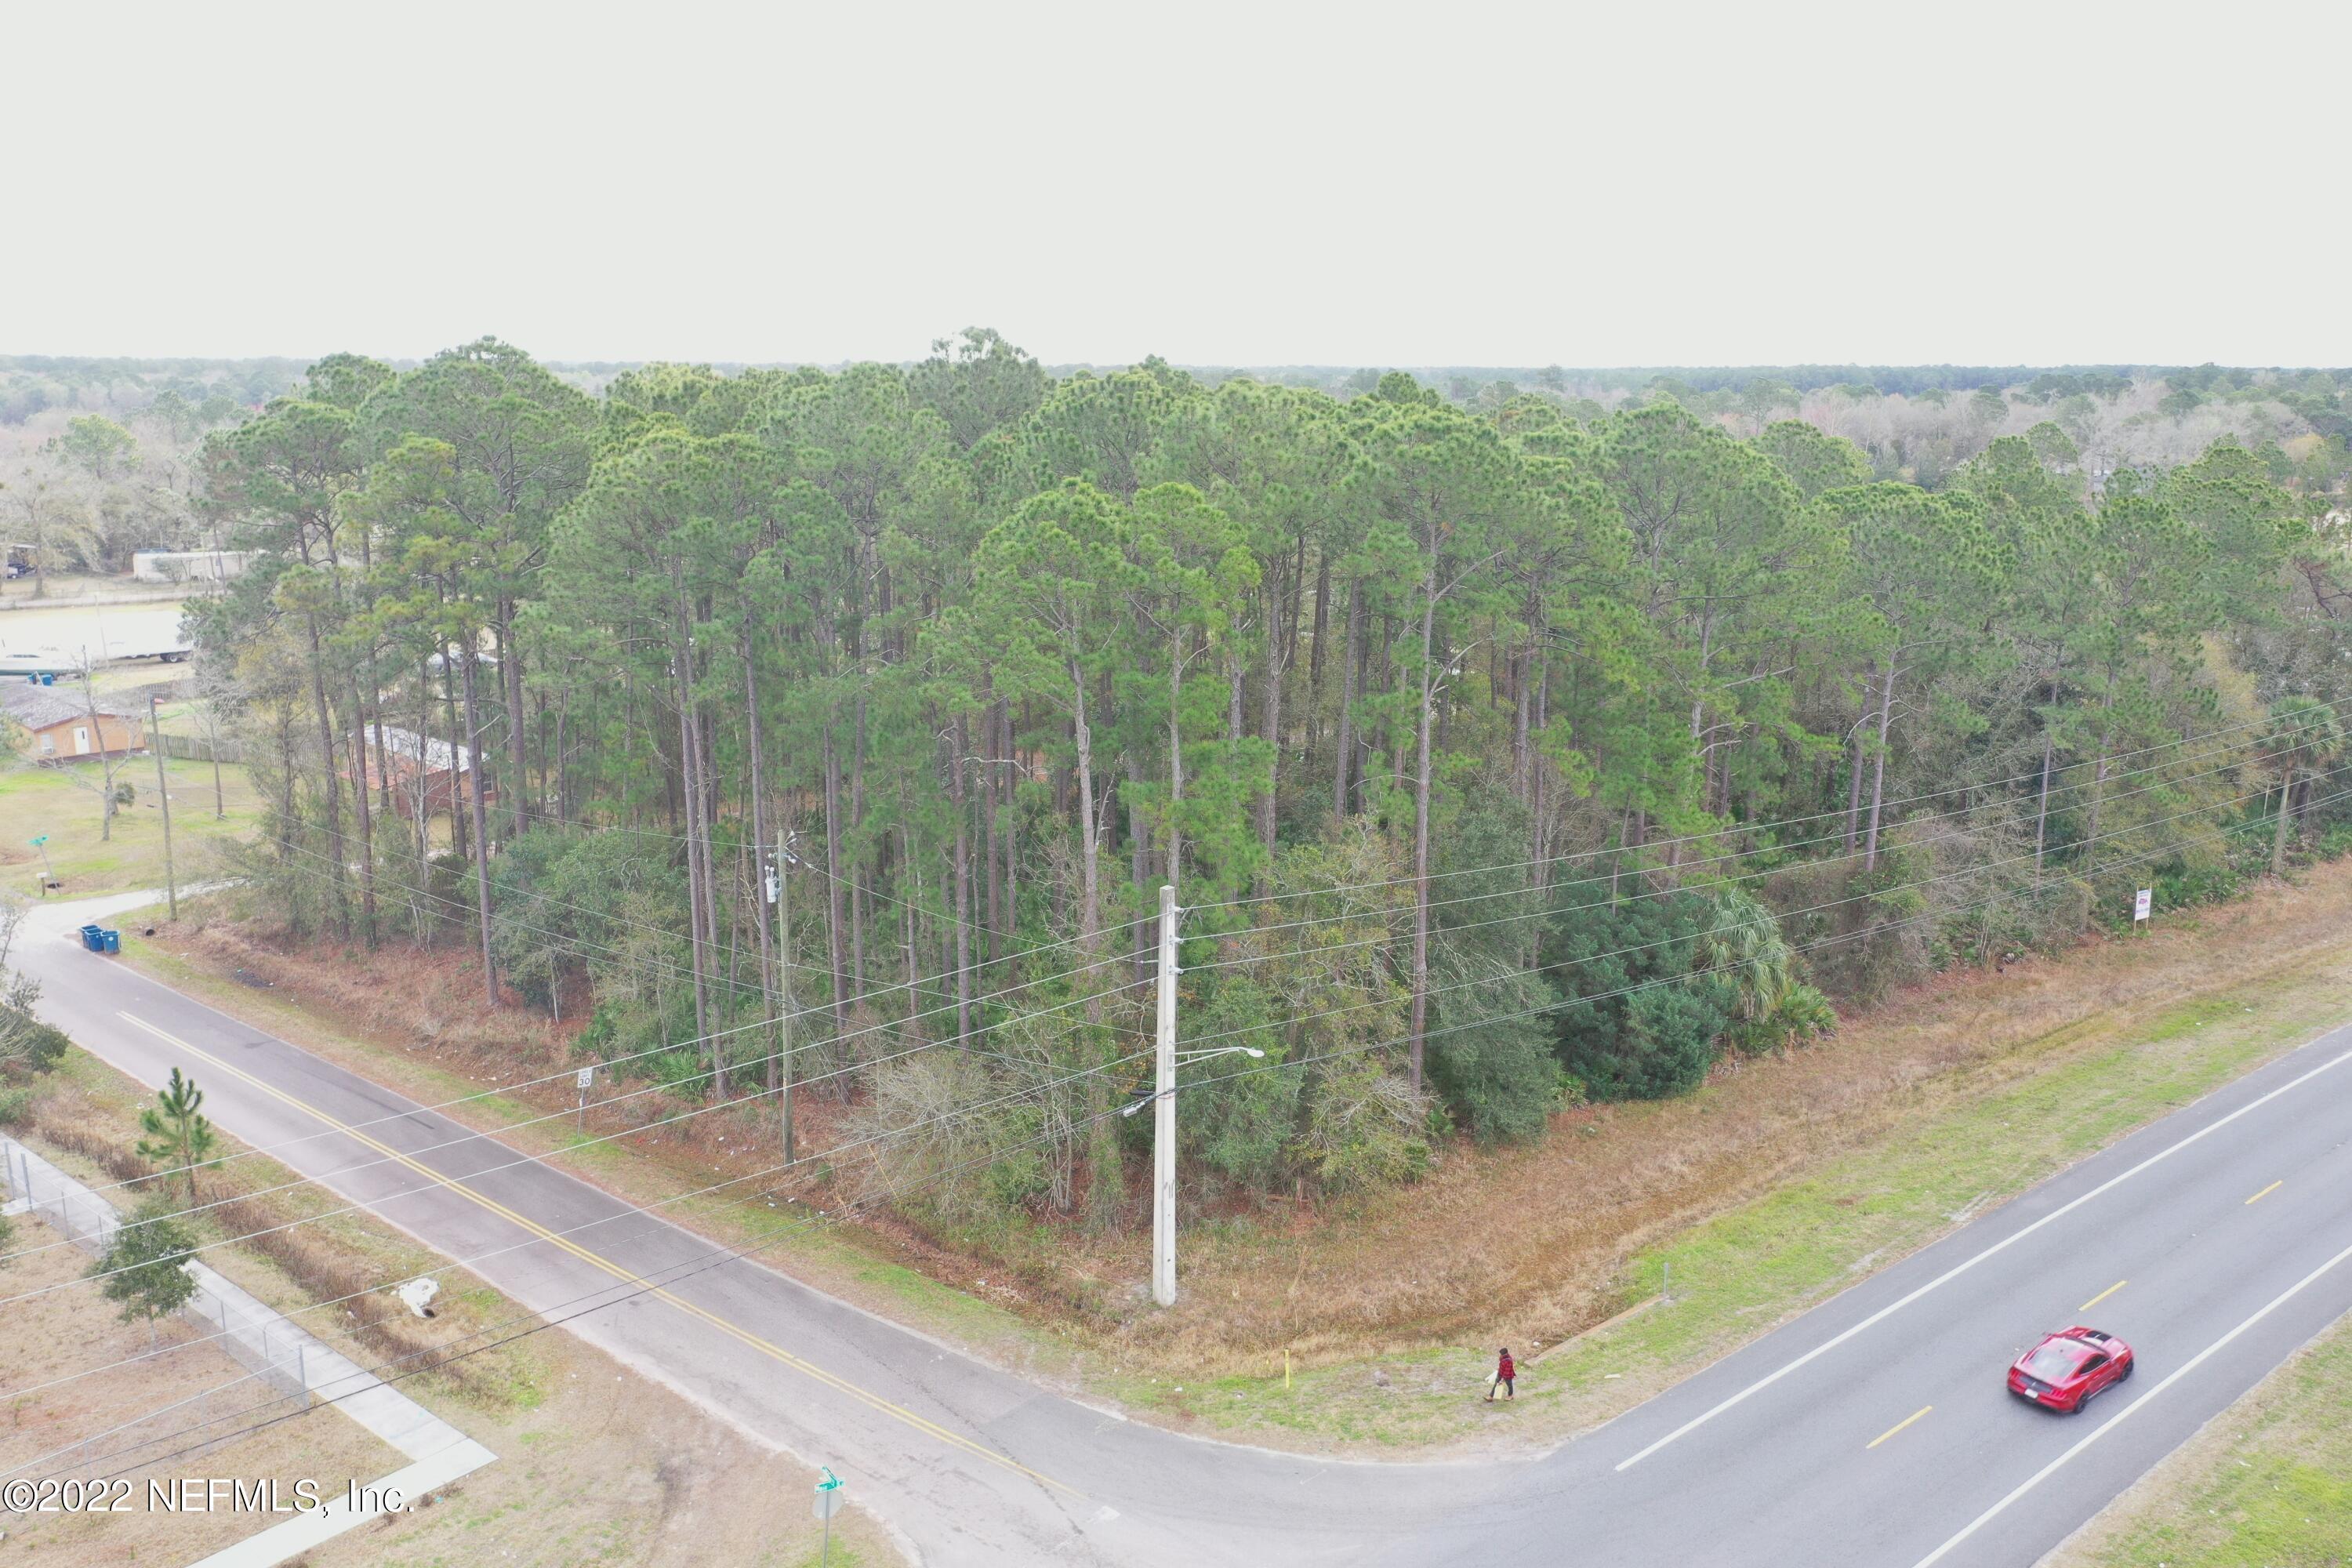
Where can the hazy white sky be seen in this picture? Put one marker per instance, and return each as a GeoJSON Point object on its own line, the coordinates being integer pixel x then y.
{"type": "Point", "coordinates": [1260, 184]}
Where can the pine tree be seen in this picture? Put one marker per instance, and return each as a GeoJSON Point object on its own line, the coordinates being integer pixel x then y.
{"type": "Point", "coordinates": [176, 1134]}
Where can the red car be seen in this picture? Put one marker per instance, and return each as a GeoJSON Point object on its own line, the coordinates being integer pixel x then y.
{"type": "Point", "coordinates": [2067, 1368]}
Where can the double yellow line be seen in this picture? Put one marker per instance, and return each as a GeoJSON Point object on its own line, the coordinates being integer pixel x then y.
{"type": "Point", "coordinates": [809, 1369]}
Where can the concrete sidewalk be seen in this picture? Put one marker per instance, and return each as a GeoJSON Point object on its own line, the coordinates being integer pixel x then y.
{"type": "Point", "coordinates": [281, 1356]}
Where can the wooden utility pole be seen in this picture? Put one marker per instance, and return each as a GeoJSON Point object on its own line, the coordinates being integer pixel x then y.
{"type": "Point", "coordinates": [473, 783]}
{"type": "Point", "coordinates": [784, 964]}
{"type": "Point", "coordinates": [164, 799]}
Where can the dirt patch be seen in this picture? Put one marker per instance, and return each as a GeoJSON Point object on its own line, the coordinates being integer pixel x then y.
{"type": "Point", "coordinates": [288, 1252]}
{"type": "Point", "coordinates": [414, 1022]}
{"type": "Point", "coordinates": [73, 1329]}
{"type": "Point", "coordinates": [605, 1467]}
{"type": "Point", "coordinates": [596, 1463]}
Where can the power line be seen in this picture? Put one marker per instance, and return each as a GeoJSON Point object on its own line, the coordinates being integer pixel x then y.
{"type": "Point", "coordinates": [762, 1094]}
{"type": "Point", "coordinates": [1739, 827]}
{"type": "Point", "coordinates": [409, 1156]}
{"type": "Point", "coordinates": [910, 986]}
{"type": "Point", "coordinates": [684, 971]}
{"type": "Point", "coordinates": [667, 1047]}
{"type": "Point", "coordinates": [935, 981]}
{"type": "Point", "coordinates": [1905, 887]}
{"type": "Point", "coordinates": [634, 1210]}
{"type": "Point", "coordinates": [1196, 1040]}
{"type": "Point", "coordinates": [938, 981]}
{"type": "Point", "coordinates": [1565, 1002]}
{"type": "Point", "coordinates": [1737, 855]}
{"type": "Point", "coordinates": [720, 1256]}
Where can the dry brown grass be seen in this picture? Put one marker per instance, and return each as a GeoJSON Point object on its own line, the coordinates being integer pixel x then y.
{"type": "Point", "coordinates": [606, 1467]}
{"type": "Point", "coordinates": [426, 1009]}
{"type": "Point", "coordinates": [596, 1463]}
{"type": "Point", "coordinates": [98, 1122]}
{"type": "Point", "coordinates": [1537, 1235]}
{"type": "Point", "coordinates": [73, 1329]}
{"type": "Point", "coordinates": [428, 1002]}
{"type": "Point", "coordinates": [427, 1005]}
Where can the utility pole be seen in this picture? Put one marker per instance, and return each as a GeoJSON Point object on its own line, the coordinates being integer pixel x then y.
{"type": "Point", "coordinates": [471, 778]}
{"type": "Point", "coordinates": [163, 796]}
{"type": "Point", "coordinates": [1163, 1119]}
{"type": "Point", "coordinates": [1163, 1103]}
{"type": "Point", "coordinates": [784, 963]}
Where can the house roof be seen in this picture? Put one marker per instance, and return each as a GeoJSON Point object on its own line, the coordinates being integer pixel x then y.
{"type": "Point", "coordinates": [437, 756]}
{"type": "Point", "coordinates": [38, 707]}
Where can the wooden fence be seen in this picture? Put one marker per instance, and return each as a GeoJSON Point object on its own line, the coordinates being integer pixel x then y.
{"type": "Point", "coordinates": [196, 749]}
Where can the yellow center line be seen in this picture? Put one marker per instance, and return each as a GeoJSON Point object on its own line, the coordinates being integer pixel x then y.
{"type": "Point", "coordinates": [874, 1401]}
{"type": "Point", "coordinates": [2267, 1191]}
{"type": "Point", "coordinates": [1898, 1426]}
{"type": "Point", "coordinates": [2103, 1295]}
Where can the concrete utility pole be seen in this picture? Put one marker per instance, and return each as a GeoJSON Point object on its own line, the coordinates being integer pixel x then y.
{"type": "Point", "coordinates": [164, 799]}
{"type": "Point", "coordinates": [1163, 1126]}
{"type": "Point", "coordinates": [1162, 1100]}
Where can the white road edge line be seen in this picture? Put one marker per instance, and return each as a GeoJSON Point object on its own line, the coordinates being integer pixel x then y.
{"type": "Point", "coordinates": [2126, 1413]}
{"type": "Point", "coordinates": [1959, 1268]}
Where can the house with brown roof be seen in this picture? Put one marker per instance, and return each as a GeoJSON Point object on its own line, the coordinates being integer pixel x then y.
{"type": "Point", "coordinates": [58, 726]}
{"type": "Point", "coordinates": [425, 774]}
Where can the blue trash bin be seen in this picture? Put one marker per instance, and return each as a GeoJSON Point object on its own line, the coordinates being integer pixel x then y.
{"type": "Point", "coordinates": [113, 941]}
{"type": "Point", "coordinates": [93, 938]}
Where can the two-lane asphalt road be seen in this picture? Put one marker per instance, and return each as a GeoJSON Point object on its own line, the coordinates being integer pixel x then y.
{"type": "Point", "coordinates": [1877, 1428]}
{"type": "Point", "coordinates": [1873, 1430]}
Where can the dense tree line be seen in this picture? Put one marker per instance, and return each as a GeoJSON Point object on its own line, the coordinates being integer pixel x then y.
{"type": "Point", "coordinates": [89, 496]}
{"type": "Point", "coordinates": [1500, 751]}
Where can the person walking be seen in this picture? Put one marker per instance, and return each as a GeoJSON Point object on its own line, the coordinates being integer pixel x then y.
{"type": "Point", "coordinates": [1505, 1374]}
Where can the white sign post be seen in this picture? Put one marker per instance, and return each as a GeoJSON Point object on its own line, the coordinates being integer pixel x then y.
{"type": "Point", "coordinates": [587, 1076]}
{"type": "Point", "coordinates": [828, 1501]}
{"type": "Point", "coordinates": [2141, 902]}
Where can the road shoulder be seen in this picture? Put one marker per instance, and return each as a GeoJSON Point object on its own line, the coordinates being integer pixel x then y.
{"type": "Point", "coordinates": [1953, 1130]}
{"type": "Point", "coordinates": [2265, 1483]}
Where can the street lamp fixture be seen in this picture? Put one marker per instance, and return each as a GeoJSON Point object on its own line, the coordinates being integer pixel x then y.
{"type": "Point", "coordinates": [1191, 1057]}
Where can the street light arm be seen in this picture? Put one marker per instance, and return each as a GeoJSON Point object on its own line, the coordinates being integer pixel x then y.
{"type": "Point", "coordinates": [1141, 1100]}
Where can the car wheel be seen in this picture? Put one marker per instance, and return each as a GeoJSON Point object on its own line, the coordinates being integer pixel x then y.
{"type": "Point", "coordinates": [2130, 1367]}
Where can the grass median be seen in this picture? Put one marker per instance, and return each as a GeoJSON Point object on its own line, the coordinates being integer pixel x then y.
{"type": "Point", "coordinates": [2267, 1484]}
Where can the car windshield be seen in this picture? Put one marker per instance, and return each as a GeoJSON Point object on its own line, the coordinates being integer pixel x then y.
{"type": "Point", "coordinates": [2056, 1361]}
